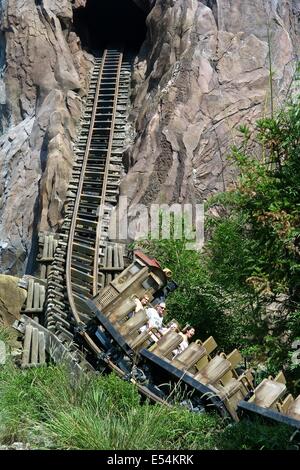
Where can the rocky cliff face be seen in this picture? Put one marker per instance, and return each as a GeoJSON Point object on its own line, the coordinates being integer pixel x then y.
{"type": "Point", "coordinates": [43, 77]}
{"type": "Point", "coordinates": [202, 71]}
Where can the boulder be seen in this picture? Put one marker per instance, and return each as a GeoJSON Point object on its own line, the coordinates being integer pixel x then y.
{"type": "Point", "coordinates": [12, 298]}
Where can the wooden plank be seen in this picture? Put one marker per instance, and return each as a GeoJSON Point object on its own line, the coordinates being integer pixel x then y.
{"type": "Point", "coordinates": [60, 312]}
{"type": "Point", "coordinates": [48, 270]}
{"type": "Point", "coordinates": [42, 296]}
{"type": "Point", "coordinates": [113, 270]}
{"type": "Point", "coordinates": [61, 320]}
{"type": "Point", "coordinates": [101, 280]}
{"type": "Point", "coordinates": [41, 238]}
{"type": "Point", "coordinates": [80, 222]}
{"type": "Point", "coordinates": [81, 289]}
{"type": "Point", "coordinates": [116, 257]}
{"type": "Point", "coordinates": [46, 259]}
{"type": "Point", "coordinates": [64, 332]}
{"type": "Point", "coordinates": [121, 257]}
{"type": "Point", "coordinates": [42, 348]}
{"type": "Point", "coordinates": [36, 296]}
{"type": "Point", "coordinates": [40, 281]}
{"type": "Point", "coordinates": [57, 302]}
{"type": "Point", "coordinates": [87, 278]}
{"type": "Point", "coordinates": [43, 271]}
{"type": "Point", "coordinates": [27, 344]}
{"type": "Point", "coordinates": [51, 247]}
{"type": "Point", "coordinates": [81, 248]}
{"type": "Point", "coordinates": [45, 247]}
{"type": "Point", "coordinates": [104, 257]}
{"type": "Point", "coordinates": [34, 346]}
{"type": "Point", "coordinates": [30, 294]}
{"type": "Point", "coordinates": [109, 263]}
{"type": "Point", "coordinates": [33, 310]}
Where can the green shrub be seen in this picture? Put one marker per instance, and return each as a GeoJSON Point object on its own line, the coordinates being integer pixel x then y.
{"type": "Point", "coordinates": [257, 435]}
{"type": "Point", "coordinates": [20, 400]}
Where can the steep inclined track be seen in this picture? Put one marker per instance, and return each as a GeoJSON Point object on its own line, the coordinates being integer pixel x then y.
{"type": "Point", "coordinates": [93, 192]}
{"type": "Point", "coordinates": [82, 247]}
{"type": "Point", "coordinates": [93, 186]}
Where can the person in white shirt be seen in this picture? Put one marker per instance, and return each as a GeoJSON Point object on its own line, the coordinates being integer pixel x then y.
{"type": "Point", "coordinates": [187, 333]}
{"type": "Point", "coordinates": [155, 317]}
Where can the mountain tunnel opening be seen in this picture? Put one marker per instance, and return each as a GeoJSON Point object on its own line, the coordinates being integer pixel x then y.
{"type": "Point", "coordinates": [109, 23]}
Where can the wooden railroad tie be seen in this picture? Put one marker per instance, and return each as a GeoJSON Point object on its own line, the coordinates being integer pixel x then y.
{"type": "Point", "coordinates": [111, 262]}
{"type": "Point", "coordinates": [34, 348]}
{"type": "Point", "coordinates": [36, 294]}
{"type": "Point", "coordinates": [47, 246]}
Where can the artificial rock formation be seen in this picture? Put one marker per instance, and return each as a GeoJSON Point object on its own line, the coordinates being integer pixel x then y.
{"type": "Point", "coordinates": [12, 298]}
{"type": "Point", "coordinates": [203, 70]}
{"type": "Point", "coordinates": [44, 74]}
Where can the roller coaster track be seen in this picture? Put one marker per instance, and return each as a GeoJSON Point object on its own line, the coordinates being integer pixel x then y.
{"type": "Point", "coordinates": [92, 194]}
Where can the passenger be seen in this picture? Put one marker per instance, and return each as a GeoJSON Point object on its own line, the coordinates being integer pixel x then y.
{"type": "Point", "coordinates": [155, 317]}
{"type": "Point", "coordinates": [187, 333]}
{"type": "Point", "coordinates": [140, 304]}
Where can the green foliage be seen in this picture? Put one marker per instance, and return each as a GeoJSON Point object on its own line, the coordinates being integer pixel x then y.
{"type": "Point", "coordinates": [267, 197]}
{"type": "Point", "coordinates": [257, 435]}
{"type": "Point", "coordinates": [45, 408]}
{"type": "Point", "coordinates": [21, 400]}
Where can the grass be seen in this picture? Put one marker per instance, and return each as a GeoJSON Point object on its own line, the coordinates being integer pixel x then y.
{"type": "Point", "coordinates": [47, 409]}
{"type": "Point", "coordinates": [257, 435]}
{"type": "Point", "coordinates": [42, 407]}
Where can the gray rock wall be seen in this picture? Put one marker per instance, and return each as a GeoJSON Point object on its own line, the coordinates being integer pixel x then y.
{"type": "Point", "coordinates": [43, 75]}
{"type": "Point", "coordinates": [202, 72]}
